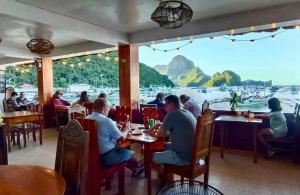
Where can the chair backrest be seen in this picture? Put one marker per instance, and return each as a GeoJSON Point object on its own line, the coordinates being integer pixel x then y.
{"type": "Point", "coordinates": [77, 111]}
{"type": "Point", "coordinates": [142, 106]}
{"type": "Point", "coordinates": [94, 163]}
{"type": "Point", "coordinates": [151, 113]}
{"type": "Point", "coordinates": [89, 107]}
{"type": "Point", "coordinates": [34, 108]}
{"type": "Point", "coordinates": [297, 111]}
{"type": "Point", "coordinates": [8, 107]}
{"type": "Point", "coordinates": [205, 106]}
{"type": "Point", "coordinates": [72, 157]}
{"type": "Point", "coordinates": [122, 112]}
{"type": "Point", "coordinates": [8, 92]}
{"type": "Point", "coordinates": [203, 137]}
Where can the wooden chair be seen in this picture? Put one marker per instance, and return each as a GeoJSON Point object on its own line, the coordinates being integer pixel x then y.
{"type": "Point", "coordinates": [89, 107]}
{"type": "Point", "coordinates": [205, 106]}
{"type": "Point", "coordinates": [122, 112]}
{"type": "Point", "coordinates": [72, 157]}
{"type": "Point", "coordinates": [77, 111]}
{"type": "Point", "coordinates": [200, 155]}
{"type": "Point", "coordinates": [61, 116]}
{"type": "Point", "coordinates": [97, 173]}
{"type": "Point", "coordinates": [32, 127]}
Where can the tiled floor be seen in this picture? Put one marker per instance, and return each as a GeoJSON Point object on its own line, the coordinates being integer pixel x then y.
{"type": "Point", "coordinates": [237, 174]}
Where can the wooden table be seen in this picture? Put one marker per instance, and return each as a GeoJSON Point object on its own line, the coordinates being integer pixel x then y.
{"type": "Point", "coordinates": [145, 140]}
{"type": "Point", "coordinates": [12, 118]}
{"type": "Point", "coordinates": [3, 145]}
{"type": "Point", "coordinates": [30, 180]}
{"type": "Point", "coordinates": [225, 119]}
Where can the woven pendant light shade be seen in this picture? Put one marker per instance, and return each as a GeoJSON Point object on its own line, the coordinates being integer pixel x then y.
{"type": "Point", "coordinates": [40, 46]}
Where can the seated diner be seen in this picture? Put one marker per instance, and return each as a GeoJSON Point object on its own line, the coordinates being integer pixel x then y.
{"type": "Point", "coordinates": [109, 136]}
{"type": "Point", "coordinates": [12, 102]}
{"type": "Point", "coordinates": [159, 100]}
{"type": "Point", "coordinates": [180, 125]}
{"type": "Point", "coordinates": [84, 98]}
{"type": "Point", "coordinates": [190, 105]}
{"type": "Point", "coordinates": [22, 100]}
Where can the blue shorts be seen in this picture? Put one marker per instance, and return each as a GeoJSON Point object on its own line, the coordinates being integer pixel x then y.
{"type": "Point", "coordinates": [116, 156]}
{"type": "Point", "coordinates": [168, 157]}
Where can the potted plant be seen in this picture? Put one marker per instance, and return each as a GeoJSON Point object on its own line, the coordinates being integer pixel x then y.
{"type": "Point", "coordinates": [234, 99]}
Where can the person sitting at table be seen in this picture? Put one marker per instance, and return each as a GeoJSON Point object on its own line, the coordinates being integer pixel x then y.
{"type": "Point", "coordinates": [12, 102]}
{"type": "Point", "coordinates": [180, 125]}
{"type": "Point", "coordinates": [190, 105]}
{"type": "Point", "coordinates": [57, 101]}
{"type": "Point", "coordinates": [84, 98]}
{"type": "Point", "coordinates": [278, 126]}
{"type": "Point", "coordinates": [22, 100]}
{"type": "Point", "coordinates": [108, 136]}
{"type": "Point", "coordinates": [159, 100]}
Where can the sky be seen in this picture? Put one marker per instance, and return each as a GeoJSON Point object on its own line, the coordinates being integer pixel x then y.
{"type": "Point", "coordinates": [277, 60]}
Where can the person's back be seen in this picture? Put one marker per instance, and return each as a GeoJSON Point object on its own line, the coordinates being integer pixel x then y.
{"type": "Point", "coordinates": [158, 100]}
{"type": "Point", "coordinates": [278, 123]}
{"type": "Point", "coordinates": [193, 107]}
{"type": "Point", "coordinates": [181, 126]}
{"type": "Point", "coordinates": [107, 132]}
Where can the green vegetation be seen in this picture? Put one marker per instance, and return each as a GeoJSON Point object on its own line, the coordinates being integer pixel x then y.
{"type": "Point", "coordinates": [93, 70]}
{"type": "Point", "coordinates": [193, 77]}
{"type": "Point", "coordinates": [227, 77]}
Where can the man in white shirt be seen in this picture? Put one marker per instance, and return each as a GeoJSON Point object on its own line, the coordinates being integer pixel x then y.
{"type": "Point", "coordinates": [190, 105]}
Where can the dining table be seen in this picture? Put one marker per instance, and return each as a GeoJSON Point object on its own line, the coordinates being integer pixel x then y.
{"type": "Point", "coordinates": [30, 180]}
{"type": "Point", "coordinates": [19, 117]}
{"type": "Point", "coordinates": [224, 120]}
{"type": "Point", "coordinates": [142, 137]}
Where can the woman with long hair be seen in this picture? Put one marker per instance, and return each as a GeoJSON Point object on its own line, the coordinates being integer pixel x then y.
{"type": "Point", "coordinates": [278, 127]}
{"type": "Point", "coordinates": [84, 98]}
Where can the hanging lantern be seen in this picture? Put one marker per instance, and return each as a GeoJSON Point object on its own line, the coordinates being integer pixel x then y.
{"type": "Point", "coordinates": [172, 14]}
{"type": "Point", "coordinates": [40, 46]}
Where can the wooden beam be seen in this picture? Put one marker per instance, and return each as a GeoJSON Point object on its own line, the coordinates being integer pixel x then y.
{"type": "Point", "coordinates": [129, 75]}
{"type": "Point", "coordinates": [45, 80]}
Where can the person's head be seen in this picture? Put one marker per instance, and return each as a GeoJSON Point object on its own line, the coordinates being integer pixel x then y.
{"type": "Point", "coordinates": [14, 95]}
{"type": "Point", "coordinates": [172, 103]}
{"type": "Point", "coordinates": [101, 106]}
{"type": "Point", "coordinates": [274, 104]}
{"type": "Point", "coordinates": [102, 95]}
{"type": "Point", "coordinates": [84, 97]}
{"type": "Point", "coordinates": [184, 98]}
{"type": "Point", "coordinates": [58, 94]}
{"type": "Point", "coordinates": [22, 94]}
{"type": "Point", "coordinates": [160, 96]}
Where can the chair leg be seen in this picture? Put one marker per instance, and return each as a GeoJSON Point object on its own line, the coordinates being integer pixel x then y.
{"type": "Point", "coordinates": [18, 140]}
{"type": "Point", "coordinates": [24, 137]}
{"type": "Point", "coordinates": [181, 179]}
{"type": "Point", "coordinates": [206, 175]}
{"type": "Point", "coordinates": [121, 182]}
{"type": "Point", "coordinates": [107, 183]}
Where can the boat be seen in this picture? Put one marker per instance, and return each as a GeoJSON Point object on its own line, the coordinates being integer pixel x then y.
{"type": "Point", "coordinates": [248, 100]}
{"type": "Point", "coordinates": [274, 89]}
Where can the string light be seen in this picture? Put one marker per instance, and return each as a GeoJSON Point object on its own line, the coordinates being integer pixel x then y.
{"type": "Point", "coordinates": [64, 62]}
{"type": "Point", "coordinates": [191, 38]}
{"type": "Point", "coordinates": [153, 42]}
{"type": "Point", "coordinates": [88, 59]}
{"type": "Point", "coordinates": [274, 25]}
{"type": "Point", "coordinates": [99, 54]}
{"type": "Point", "coordinates": [231, 32]}
{"type": "Point", "coordinates": [252, 28]}
{"type": "Point", "coordinates": [71, 65]}
{"type": "Point", "coordinates": [79, 64]}
{"type": "Point", "coordinates": [273, 37]}
{"type": "Point", "coordinates": [178, 38]}
{"type": "Point", "coordinates": [116, 59]}
{"type": "Point", "coordinates": [297, 27]}
{"type": "Point", "coordinates": [107, 58]}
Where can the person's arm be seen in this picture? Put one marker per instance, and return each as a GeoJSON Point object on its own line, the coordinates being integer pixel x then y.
{"type": "Point", "coordinates": [262, 116]}
{"type": "Point", "coordinates": [162, 129]}
{"type": "Point", "coordinates": [114, 131]}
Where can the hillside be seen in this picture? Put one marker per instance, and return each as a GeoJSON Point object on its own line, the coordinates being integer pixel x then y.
{"type": "Point", "coordinates": [162, 69]}
{"type": "Point", "coordinates": [97, 72]}
{"type": "Point", "coordinates": [183, 72]}
{"type": "Point", "coordinates": [226, 77]}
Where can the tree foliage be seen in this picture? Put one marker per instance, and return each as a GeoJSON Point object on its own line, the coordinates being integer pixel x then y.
{"type": "Point", "coordinates": [94, 70]}
{"type": "Point", "coordinates": [227, 77]}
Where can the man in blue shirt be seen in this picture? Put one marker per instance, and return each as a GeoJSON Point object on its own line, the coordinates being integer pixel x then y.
{"type": "Point", "coordinates": [159, 101]}
{"type": "Point", "coordinates": [108, 136]}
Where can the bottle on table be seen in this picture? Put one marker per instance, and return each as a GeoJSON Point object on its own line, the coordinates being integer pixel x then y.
{"type": "Point", "coordinates": [127, 124]}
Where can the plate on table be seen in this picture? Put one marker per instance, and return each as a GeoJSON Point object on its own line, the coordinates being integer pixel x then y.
{"type": "Point", "coordinates": [137, 132]}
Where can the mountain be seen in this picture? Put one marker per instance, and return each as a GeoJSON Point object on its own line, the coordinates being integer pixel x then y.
{"type": "Point", "coordinates": [162, 69]}
{"type": "Point", "coordinates": [97, 72]}
{"type": "Point", "coordinates": [183, 72]}
{"type": "Point", "coordinates": [226, 77]}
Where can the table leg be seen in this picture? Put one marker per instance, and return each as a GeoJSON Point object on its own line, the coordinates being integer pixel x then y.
{"type": "Point", "coordinates": [222, 139]}
{"type": "Point", "coordinates": [255, 143]}
{"type": "Point", "coordinates": [7, 132]}
{"type": "Point", "coordinates": [147, 159]}
{"type": "Point", "coordinates": [41, 132]}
